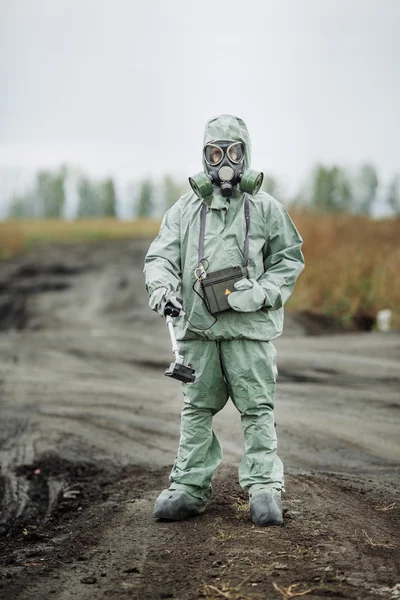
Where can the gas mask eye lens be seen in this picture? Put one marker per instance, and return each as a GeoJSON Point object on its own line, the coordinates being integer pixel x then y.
{"type": "Point", "coordinates": [235, 152]}
{"type": "Point", "coordinates": [213, 154]}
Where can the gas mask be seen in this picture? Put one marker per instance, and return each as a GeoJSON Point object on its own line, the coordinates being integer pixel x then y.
{"type": "Point", "coordinates": [225, 165]}
{"type": "Point", "coordinates": [224, 162]}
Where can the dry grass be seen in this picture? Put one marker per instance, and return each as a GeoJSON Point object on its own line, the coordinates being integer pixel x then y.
{"type": "Point", "coordinates": [352, 266]}
{"type": "Point", "coordinates": [11, 239]}
{"type": "Point", "coordinates": [236, 592]}
{"type": "Point", "coordinates": [386, 508]}
{"type": "Point", "coordinates": [223, 536]}
{"type": "Point", "coordinates": [375, 543]}
{"type": "Point", "coordinates": [292, 591]}
{"type": "Point", "coordinates": [352, 262]}
{"type": "Point", "coordinates": [226, 590]}
{"type": "Point", "coordinates": [242, 508]}
{"type": "Point", "coordinates": [18, 235]}
{"type": "Point", "coordinates": [212, 591]}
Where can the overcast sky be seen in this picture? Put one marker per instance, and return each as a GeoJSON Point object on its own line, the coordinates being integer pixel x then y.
{"type": "Point", "coordinates": [125, 86]}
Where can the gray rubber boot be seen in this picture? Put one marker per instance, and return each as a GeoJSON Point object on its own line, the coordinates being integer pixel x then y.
{"type": "Point", "coordinates": [175, 505]}
{"type": "Point", "coordinates": [266, 507]}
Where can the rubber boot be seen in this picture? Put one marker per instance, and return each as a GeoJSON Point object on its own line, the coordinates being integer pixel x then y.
{"type": "Point", "coordinates": [175, 505]}
{"type": "Point", "coordinates": [266, 507]}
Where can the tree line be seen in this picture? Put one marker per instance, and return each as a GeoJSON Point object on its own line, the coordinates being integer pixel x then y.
{"type": "Point", "coordinates": [329, 189]}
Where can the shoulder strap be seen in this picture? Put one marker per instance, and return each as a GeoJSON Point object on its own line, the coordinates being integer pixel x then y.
{"type": "Point", "coordinates": [246, 239]}
{"type": "Point", "coordinates": [203, 215]}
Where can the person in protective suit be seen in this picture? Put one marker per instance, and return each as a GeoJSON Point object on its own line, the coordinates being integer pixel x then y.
{"type": "Point", "coordinates": [232, 351]}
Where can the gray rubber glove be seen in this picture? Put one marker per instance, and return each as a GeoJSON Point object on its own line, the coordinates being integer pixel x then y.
{"type": "Point", "coordinates": [160, 297]}
{"type": "Point", "coordinates": [248, 297]}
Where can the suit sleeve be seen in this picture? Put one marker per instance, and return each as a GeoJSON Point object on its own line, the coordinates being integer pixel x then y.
{"type": "Point", "coordinates": [283, 258]}
{"type": "Point", "coordinates": [162, 266]}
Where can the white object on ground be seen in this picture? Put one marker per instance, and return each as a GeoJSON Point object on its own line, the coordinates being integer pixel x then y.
{"type": "Point", "coordinates": [383, 319]}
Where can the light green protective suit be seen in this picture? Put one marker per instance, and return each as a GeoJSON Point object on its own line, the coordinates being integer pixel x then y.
{"type": "Point", "coordinates": [234, 357]}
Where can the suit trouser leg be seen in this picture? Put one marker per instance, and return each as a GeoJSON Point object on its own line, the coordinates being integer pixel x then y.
{"type": "Point", "coordinates": [200, 452]}
{"type": "Point", "coordinates": [250, 370]}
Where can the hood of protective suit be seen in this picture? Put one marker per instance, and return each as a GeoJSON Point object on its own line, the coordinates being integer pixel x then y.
{"type": "Point", "coordinates": [229, 128]}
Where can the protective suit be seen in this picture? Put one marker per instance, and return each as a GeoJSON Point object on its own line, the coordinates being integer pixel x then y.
{"type": "Point", "coordinates": [233, 356]}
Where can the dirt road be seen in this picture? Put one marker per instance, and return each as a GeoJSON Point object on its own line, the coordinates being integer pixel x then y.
{"type": "Point", "coordinates": [89, 428]}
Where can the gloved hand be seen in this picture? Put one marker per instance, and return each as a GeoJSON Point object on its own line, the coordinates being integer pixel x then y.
{"type": "Point", "coordinates": [160, 298]}
{"type": "Point", "coordinates": [175, 303]}
{"type": "Point", "coordinates": [249, 296]}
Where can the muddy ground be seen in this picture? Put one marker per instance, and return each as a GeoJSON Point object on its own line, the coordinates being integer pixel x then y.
{"type": "Point", "coordinates": [89, 428]}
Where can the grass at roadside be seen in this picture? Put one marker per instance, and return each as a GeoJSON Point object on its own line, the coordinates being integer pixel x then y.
{"type": "Point", "coordinates": [17, 236]}
{"type": "Point", "coordinates": [352, 266]}
{"type": "Point", "coordinates": [352, 262]}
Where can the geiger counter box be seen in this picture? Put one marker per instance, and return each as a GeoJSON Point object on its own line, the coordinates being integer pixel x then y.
{"type": "Point", "coordinates": [218, 285]}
